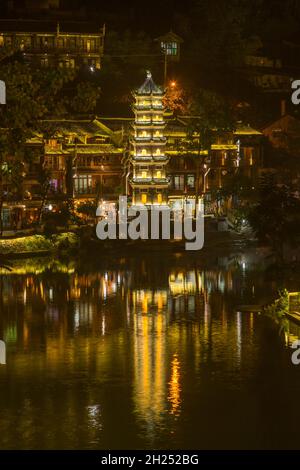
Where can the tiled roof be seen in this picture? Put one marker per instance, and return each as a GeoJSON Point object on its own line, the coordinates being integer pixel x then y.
{"type": "Point", "coordinates": [46, 26]}
{"type": "Point", "coordinates": [170, 37]}
{"type": "Point", "coordinates": [81, 127]}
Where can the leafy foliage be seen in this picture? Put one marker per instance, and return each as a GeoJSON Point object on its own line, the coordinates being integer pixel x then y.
{"type": "Point", "coordinates": [276, 217]}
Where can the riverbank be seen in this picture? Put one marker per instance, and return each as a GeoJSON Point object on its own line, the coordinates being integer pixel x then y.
{"type": "Point", "coordinates": [84, 242]}
{"type": "Point", "coordinates": [38, 245]}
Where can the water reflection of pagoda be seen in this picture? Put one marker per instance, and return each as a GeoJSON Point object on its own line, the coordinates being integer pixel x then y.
{"type": "Point", "coordinates": [155, 341]}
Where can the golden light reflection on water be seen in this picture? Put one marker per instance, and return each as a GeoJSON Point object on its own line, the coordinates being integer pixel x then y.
{"type": "Point", "coordinates": [174, 387]}
{"type": "Point", "coordinates": [104, 331]}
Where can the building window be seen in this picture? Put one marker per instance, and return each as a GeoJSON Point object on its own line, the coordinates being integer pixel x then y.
{"type": "Point", "coordinates": [90, 45]}
{"type": "Point", "coordinates": [179, 182]}
{"type": "Point", "coordinates": [61, 43]}
{"type": "Point", "coordinates": [8, 41]}
{"type": "Point", "coordinates": [44, 62]}
{"type": "Point", "coordinates": [190, 181]}
{"type": "Point", "coordinates": [144, 198]}
{"type": "Point", "coordinates": [52, 143]}
{"type": "Point", "coordinates": [247, 154]}
{"type": "Point", "coordinates": [70, 63]}
{"type": "Point", "coordinates": [83, 184]}
{"type": "Point", "coordinates": [159, 198]}
{"type": "Point", "coordinates": [72, 42]}
{"type": "Point", "coordinates": [55, 185]}
{"type": "Point", "coordinates": [170, 48]}
{"type": "Point", "coordinates": [52, 162]}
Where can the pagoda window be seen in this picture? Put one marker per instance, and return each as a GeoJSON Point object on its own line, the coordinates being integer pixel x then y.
{"type": "Point", "coordinates": [144, 174]}
{"type": "Point", "coordinates": [144, 198]}
{"type": "Point", "coordinates": [158, 174]}
{"type": "Point", "coordinates": [179, 182]}
{"type": "Point", "coordinates": [159, 198]}
{"type": "Point", "coordinates": [1, 40]}
{"type": "Point", "coordinates": [144, 152]}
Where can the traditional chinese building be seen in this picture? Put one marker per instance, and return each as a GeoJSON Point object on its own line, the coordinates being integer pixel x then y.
{"type": "Point", "coordinates": [83, 162]}
{"type": "Point", "coordinates": [55, 44]}
{"type": "Point", "coordinates": [148, 158]}
{"type": "Point", "coordinates": [86, 161]}
{"type": "Point", "coordinates": [196, 173]}
{"type": "Point", "coordinates": [170, 45]}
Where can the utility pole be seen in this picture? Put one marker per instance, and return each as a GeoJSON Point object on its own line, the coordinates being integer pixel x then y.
{"type": "Point", "coordinates": [165, 68]}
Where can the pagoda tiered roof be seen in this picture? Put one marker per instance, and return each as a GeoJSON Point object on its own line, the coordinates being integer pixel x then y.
{"type": "Point", "coordinates": [149, 87]}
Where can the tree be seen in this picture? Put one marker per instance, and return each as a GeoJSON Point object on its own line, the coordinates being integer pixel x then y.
{"type": "Point", "coordinates": [33, 95]}
{"type": "Point", "coordinates": [213, 116]}
{"type": "Point", "coordinates": [176, 98]}
{"type": "Point", "coordinates": [275, 219]}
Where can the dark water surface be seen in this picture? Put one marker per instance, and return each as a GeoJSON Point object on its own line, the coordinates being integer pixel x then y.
{"type": "Point", "coordinates": [144, 353]}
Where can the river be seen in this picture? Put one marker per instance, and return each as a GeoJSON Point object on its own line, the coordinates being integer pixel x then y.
{"type": "Point", "coordinates": [145, 352]}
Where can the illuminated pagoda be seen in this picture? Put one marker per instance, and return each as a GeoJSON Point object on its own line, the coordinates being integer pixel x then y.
{"type": "Point", "coordinates": [149, 182]}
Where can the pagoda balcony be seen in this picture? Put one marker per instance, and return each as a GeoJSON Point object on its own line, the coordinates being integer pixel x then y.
{"type": "Point", "coordinates": [158, 122]}
{"type": "Point", "coordinates": [142, 139]}
{"type": "Point", "coordinates": [161, 180]}
{"type": "Point", "coordinates": [149, 139]}
{"type": "Point", "coordinates": [160, 158]}
{"type": "Point", "coordinates": [148, 123]}
{"type": "Point", "coordinates": [146, 107]}
{"type": "Point", "coordinates": [142, 158]}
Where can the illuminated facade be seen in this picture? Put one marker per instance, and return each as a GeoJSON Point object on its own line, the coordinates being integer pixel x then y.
{"type": "Point", "coordinates": [148, 159]}
{"type": "Point", "coordinates": [83, 162]}
{"type": "Point", "coordinates": [50, 44]}
{"type": "Point", "coordinates": [86, 161]}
